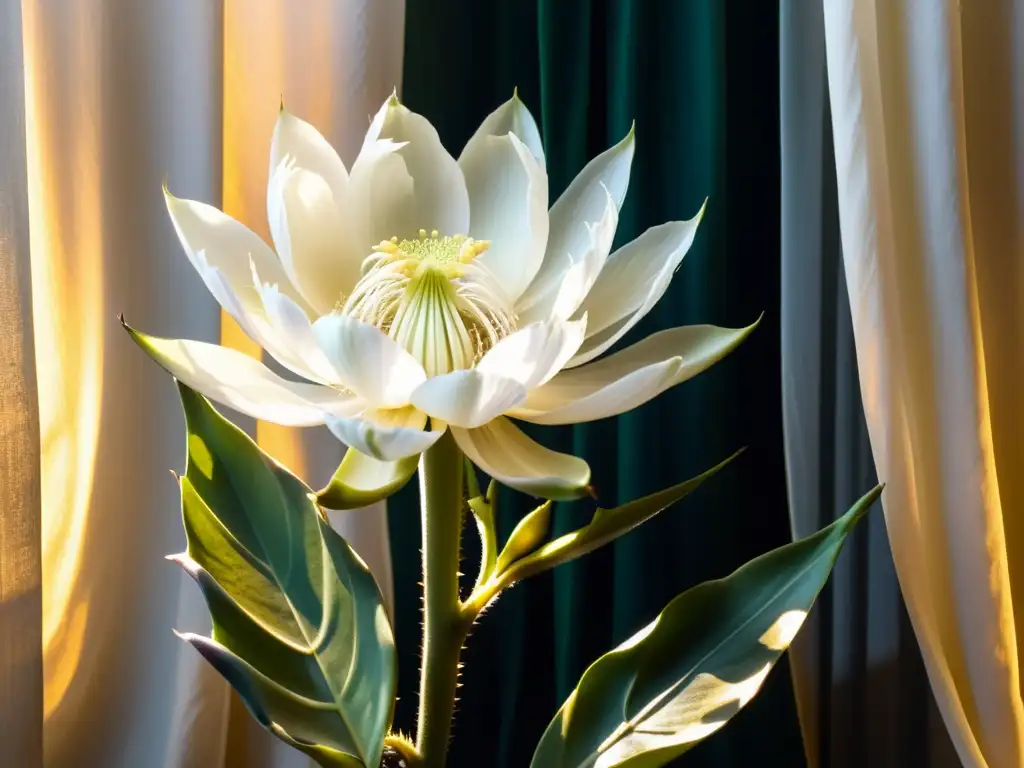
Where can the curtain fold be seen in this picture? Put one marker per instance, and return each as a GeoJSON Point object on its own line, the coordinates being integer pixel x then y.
{"type": "Point", "coordinates": [926, 103]}
{"type": "Point", "coordinates": [700, 78]}
{"type": "Point", "coordinates": [21, 663]}
{"type": "Point", "coordinates": [120, 96]}
{"type": "Point", "coordinates": [331, 64]}
{"type": "Point", "coordinates": [861, 687]}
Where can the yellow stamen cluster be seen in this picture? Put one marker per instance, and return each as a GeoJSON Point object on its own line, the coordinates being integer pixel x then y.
{"type": "Point", "coordinates": [428, 295]}
{"type": "Point", "coordinates": [446, 254]}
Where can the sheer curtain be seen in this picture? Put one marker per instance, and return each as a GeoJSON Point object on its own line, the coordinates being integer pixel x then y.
{"type": "Point", "coordinates": [20, 575]}
{"type": "Point", "coordinates": [861, 686]}
{"type": "Point", "coordinates": [927, 101]}
{"type": "Point", "coordinates": [119, 96]}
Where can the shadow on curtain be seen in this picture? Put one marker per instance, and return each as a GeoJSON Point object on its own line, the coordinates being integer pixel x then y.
{"type": "Point", "coordinates": [701, 80]}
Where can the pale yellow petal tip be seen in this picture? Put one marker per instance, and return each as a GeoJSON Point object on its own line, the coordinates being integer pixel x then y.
{"type": "Point", "coordinates": [703, 207]}
{"type": "Point", "coordinates": [745, 332]}
{"type": "Point", "coordinates": [280, 109]}
{"type": "Point", "coordinates": [515, 93]}
{"type": "Point", "coordinates": [631, 136]}
{"type": "Point", "coordinates": [393, 100]}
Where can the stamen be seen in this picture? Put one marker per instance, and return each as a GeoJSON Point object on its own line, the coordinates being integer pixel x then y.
{"type": "Point", "coordinates": [429, 295]}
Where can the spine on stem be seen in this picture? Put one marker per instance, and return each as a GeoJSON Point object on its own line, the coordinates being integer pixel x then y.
{"type": "Point", "coordinates": [444, 626]}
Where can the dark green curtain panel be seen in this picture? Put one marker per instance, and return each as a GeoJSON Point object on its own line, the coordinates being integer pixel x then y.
{"type": "Point", "coordinates": [700, 77]}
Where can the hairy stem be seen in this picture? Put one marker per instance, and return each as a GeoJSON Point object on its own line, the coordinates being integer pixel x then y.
{"type": "Point", "coordinates": [444, 625]}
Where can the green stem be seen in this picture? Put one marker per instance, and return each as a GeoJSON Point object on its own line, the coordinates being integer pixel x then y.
{"type": "Point", "coordinates": [444, 628]}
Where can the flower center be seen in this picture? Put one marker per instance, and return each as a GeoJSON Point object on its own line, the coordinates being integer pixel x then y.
{"type": "Point", "coordinates": [430, 296]}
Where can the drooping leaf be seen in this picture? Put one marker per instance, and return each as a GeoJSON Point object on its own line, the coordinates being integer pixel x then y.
{"type": "Point", "coordinates": [683, 676]}
{"type": "Point", "coordinates": [299, 625]}
{"type": "Point", "coordinates": [362, 480]}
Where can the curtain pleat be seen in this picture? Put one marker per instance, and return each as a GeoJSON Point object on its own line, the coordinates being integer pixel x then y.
{"type": "Point", "coordinates": [926, 102]}
{"type": "Point", "coordinates": [332, 64]}
{"type": "Point", "coordinates": [21, 663]}
{"type": "Point", "coordinates": [861, 687]}
{"type": "Point", "coordinates": [119, 94]}
{"type": "Point", "coordinates": [119, 97]}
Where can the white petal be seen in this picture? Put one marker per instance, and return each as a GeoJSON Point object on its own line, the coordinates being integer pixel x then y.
{"type": "Point", "coordinates": [288, 336]}
{"type": "Point", "coordinates": [309, 232]}
{"type": "Point", "coordinates": [581, 276]}
{"type": "Point", "coordinates": [367, 361]}
{"type": "Point", "coordinates": [228, 247]}
{"type": "Point", "coordinates": [625, 282]}
{"type": "Point", "coordinates": [631, 377]}
{"type": "Point", "coordinates": [240, 382]}
{"type": "Point", "coordinates": [512, 458]}
{"type": "Point", "coordinates": [508, 199]}
{"type": "Point", "coordinates": [467, 398]}
{"type": "Point", "coordinates": [302, 144]}
{"type": "Point", "coordinates": [513, 117]}
{"type": "Point", "coordinates": [404, 180]}
{"type": "Point", "coordinates": [386, 435]}
{"type": "Point", "coordinates": [581, 204]}
{"type": "Point", "coordinates": [532, 355]}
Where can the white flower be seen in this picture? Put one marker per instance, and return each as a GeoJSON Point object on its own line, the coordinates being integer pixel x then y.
{"type": "Point", "coordinates": [413, 285]}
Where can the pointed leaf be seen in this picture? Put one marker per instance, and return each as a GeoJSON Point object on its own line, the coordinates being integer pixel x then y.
{"type": "Point", "coordinates": [483, 511]}
{"type": "Point", "coordinates": [683, 676]}
{"type": "Point", "coordinates": [607, 525]}
{"type": "Point", "coordinates": [299, 625]}
{"type": "Point", "coordinates": [528, 533]}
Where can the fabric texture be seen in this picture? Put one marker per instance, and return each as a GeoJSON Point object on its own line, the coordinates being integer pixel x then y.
{"type": "Point", "coordinates": [926, 102]}
{"type": "Point", "coordinates": [697, 77]}
{"type": "Point", "coordinates": [121, 96]}
{"type": "Point", "coordinates": [862, 691]}
{"type": "Point", "coordinates": [21, 663]}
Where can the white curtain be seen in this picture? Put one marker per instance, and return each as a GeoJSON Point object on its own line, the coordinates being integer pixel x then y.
{"type": "Point", "coordinates": [927, 104]}
{"type": "Point", "coordinates": [21, 663]}
{"type": "Point", "coordinates": [119, 96]}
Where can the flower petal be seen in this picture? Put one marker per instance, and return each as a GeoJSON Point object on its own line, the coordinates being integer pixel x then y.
{"type": "Point", "coordinates": [532, 355]}
{"type": "Point", "coordinates": [626, 279]}
{"type": "Point", "coordinates": [512, 117]}
{"type": "Point", "coordinates": [581, 204]}
{"type": "Point", "coordinates": [631, 377]}
{"type": "Point", "coordinates": [467, 398]}
{"type": "Point", "coordinates": [369, 363]}
{"type": "Point", "coordinates": [300, 142]}
{"type": "Point", "coordinates": [361, 480]}
{"type": "Point", "coordinates": [238, 381]}
{"type": "Point", "coordinates": [508, 198]}
{"type": "Point", "coordinates": [387, 435]}
{"type": "Point", "coordinates": [214, 240]}
{"type": "Point", "coordinates": [309, 233]}
{"type": "Point", "coordinates": [404, 180]}
{"type": "Point", "coordinates": [288, 335]}
{"type": "Point", "coordinates": [581, 276]}
{"type": "Point", "coordinates": [514, 459]}
{"type": "Point", "coordinates": [503, 164]}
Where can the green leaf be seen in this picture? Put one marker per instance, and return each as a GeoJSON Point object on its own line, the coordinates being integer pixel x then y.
{"type": "Point", "coordinates": [528, 533]}
{"type": "Point", "coordinates": [482, 508]}
{"type": "Point", "coordinates": [609, 524]}
{"type": "Point", "coordinates": [299, 625]}
{"type": "Point", "coordinates": [361, 480]}
{"type": "Point", "coordinates": [683, 676]}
